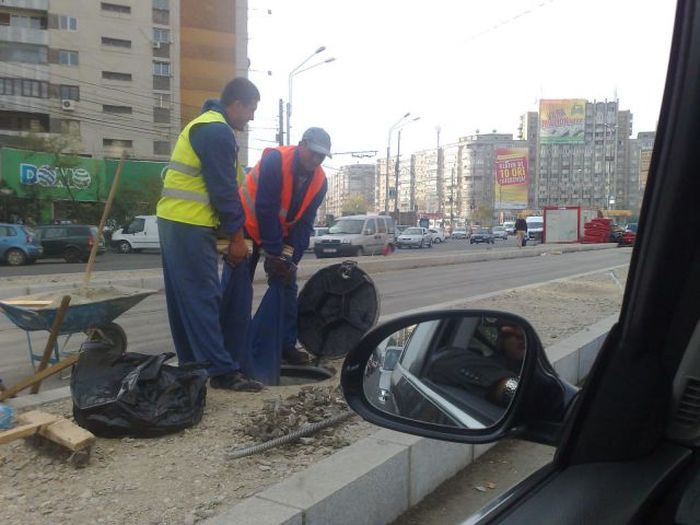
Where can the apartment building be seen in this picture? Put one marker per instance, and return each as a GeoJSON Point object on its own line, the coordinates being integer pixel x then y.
{"type": "Point", "coordinates": [115, 75]}
{"type": "Point", "coordinates": [353, 183]}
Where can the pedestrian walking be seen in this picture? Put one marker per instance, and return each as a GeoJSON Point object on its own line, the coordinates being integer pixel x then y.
{"type": "Point", "coordinates": [520, 231]}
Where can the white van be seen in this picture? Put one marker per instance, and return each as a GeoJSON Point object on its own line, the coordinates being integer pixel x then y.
{"type": "Point", "coordinates": [535, 228]}
{"type": "Point", "coordinates": [356, 235]}
{"type": "Point", "coordinates": [140, 234]}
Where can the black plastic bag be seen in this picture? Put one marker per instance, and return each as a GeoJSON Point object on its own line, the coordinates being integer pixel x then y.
{"type": "Point", "coordinates": [134, 394]}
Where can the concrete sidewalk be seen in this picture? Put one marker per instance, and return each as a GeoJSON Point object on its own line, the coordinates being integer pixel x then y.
{"type": "Point", "coordinates": [153, 279]}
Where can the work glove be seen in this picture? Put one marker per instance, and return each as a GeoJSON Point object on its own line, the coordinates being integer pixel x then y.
{"type": "Point", "coordinates": [279, 268]}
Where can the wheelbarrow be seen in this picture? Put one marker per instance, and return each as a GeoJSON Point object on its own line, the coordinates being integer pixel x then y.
{"type": "Point", "coordinates": [93, 316]}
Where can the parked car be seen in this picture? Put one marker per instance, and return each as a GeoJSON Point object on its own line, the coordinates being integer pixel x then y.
{"type": "Point", "coordinates": [140, 234]}
{"type": "Point", "coordinates": [438, 235]}
{"type": "Point", "coordinates": [18, 245]}
{"type": "Point", "coordinates": [72, 242]}
{"type": "Point", "coordinates": [319, 231]}
{"type": "Point", "coordinates": [499, 232]}
{"type": "Point", "coordinates": [460, 234]}
{"type": "Point", "coordinates": [415, 237]}
{"type": "Point", "coordinates": [481, 235]}
{"type": "Point", "coordinates": [356, 235]}
{"type": "Point", "coordinates": [509, 227]}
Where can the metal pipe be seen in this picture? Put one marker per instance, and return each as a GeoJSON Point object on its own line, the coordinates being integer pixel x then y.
{"type": "Point", "coordinates": [304, 431]}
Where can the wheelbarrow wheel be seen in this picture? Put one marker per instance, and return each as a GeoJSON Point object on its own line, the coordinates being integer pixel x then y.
{"type": "Point", "coordinates": [111, 333]}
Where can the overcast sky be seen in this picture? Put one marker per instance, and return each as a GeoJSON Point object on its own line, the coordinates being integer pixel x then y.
{"type": "Point", "coordinates": [460, 65]}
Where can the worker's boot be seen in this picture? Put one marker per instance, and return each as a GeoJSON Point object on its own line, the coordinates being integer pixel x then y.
{"type": "Point", "coordinates": [236, 381]}
{"type": "Point", "coordinates": [293, 356]}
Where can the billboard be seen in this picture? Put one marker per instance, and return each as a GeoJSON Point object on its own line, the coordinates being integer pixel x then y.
{"type": "Point", "coordinates": [30, 174]}
{"type": "Point", "coordinates": [511, 178]}
{"type": "Point", "coordinates": [562, 121]}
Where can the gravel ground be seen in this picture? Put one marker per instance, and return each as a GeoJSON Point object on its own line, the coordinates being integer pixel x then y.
{"type": "Point", "coordinates": [186, 477]}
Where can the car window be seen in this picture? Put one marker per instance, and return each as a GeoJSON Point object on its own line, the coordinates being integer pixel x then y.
{"type": "Point", "coordinates": [390, 225]}
{"type": "Point", "coordinates": [54, 233]}
{"type": "Point", "coordinates": [417, 345]}
{"type": "Point", "coordinates": [381, 225]}
{"type": "Point", "coordinates": [7, 231]}
{"type": "Point", "coordinates": [371, 225]}
{"type": "Point", "coordinates": [413, 231]}
{"type": "Point", "coordinates": [137, 226]}
{"type": "Point", "coordinates": [347, 226]}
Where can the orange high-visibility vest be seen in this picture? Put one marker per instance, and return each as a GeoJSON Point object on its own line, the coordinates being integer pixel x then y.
{"type": "Point", "coordinates": [248, 192]}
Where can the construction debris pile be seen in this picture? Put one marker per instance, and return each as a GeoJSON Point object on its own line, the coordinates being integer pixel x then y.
{"type": "Point", "coordinates": [280, 417]}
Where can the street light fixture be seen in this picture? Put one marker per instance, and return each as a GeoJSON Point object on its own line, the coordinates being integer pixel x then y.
{"type": "Point", "coordinates": [293, 72]}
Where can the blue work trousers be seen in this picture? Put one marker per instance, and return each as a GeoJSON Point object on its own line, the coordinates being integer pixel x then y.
{"type": "Point", "coordinates": [291, 305]}
{"type": "Point", "coordinates": [193, 294]}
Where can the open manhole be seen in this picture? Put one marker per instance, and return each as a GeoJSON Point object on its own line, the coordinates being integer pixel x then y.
{"type": "Point", "coordinates": [304, 375]}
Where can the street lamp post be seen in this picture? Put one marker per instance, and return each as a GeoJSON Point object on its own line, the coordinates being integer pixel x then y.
{"type": "Point", "coordinates": [291, 75]}
{"type": "Point", "coordinates": [388, 155]}
{"type": "Point", "coordinates": [396, 172]}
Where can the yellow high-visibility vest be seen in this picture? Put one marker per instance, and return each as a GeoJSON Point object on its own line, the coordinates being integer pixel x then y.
{"type": "Point", "coordinates": [184, 197]}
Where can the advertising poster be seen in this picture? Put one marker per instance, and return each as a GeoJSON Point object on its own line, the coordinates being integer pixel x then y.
{"type": "Point", "coordinates": [512, 178]}
{"type": "Point", "coordinates": [562, 121]}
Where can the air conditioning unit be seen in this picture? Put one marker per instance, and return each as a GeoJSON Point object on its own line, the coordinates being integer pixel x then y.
{"type": "Point", "coordinates": [68, 105]}
{"type": "Point", "coordinates": [156, 45]}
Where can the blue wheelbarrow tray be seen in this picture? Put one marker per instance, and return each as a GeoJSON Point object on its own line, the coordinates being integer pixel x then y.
{"type": "Point", "coordinates": [91, 307]}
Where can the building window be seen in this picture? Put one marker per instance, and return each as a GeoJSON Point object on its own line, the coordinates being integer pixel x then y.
{"type": "Point", "coordinates": [161, 115]}
{"type": "Point", "coordinates": [28, 22]}
{"type": "Point", "coordinates": [113, 75]}
{"type": "Point", "coordinates": [116, 8]}
{"type": "Point", "coordinates": [67, 58]}
{"type": "Point", "coordinates": [69, 127]}
{"type": "Point", "coordinates": [106, 108]}
{"type": "Point", "coordinates": [161, 4]}
{"type": "Point", "coordinates": [161, 35]}
{"type": "Point", "coordinates": [117, 143]}
{"type": "Point", "coordinates": [161, 147]}
{"type": "Point", "coordinates": [116, 42]}
{"type": "Point", "coordinates": [24, 53]}
{"type": "Point", "coordinates": [68, 23]}
{"type": "Point", "coordinates": [67, 92]}
{"type": "Point", "coordinates": [34, 88]}
{"type": "Point", "coordinates": [161, 69]}
{"type": "Point", "coordinates": [162, 100]}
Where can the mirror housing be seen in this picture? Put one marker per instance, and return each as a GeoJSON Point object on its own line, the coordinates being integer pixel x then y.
{"type": "Point", "coordinates": [537, 411]}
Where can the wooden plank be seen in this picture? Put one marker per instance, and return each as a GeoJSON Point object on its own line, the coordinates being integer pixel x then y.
{"type": "Point", "coordinates": [53, 336]}
{"type": "Point", "coordinates": [68, 434]}
{"type": "Point", "coordinates": [26, 302]}
{"type": "Point", "coordinates": [39, 376]}
{"type": "Point", "coordinates": [31, 426]}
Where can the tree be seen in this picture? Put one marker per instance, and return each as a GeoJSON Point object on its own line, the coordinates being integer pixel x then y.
{"type": "Point", "coordinates": [129, 202]}
{"type": "Point", "coordinates": [484, 214]}
{"type": "Point", "coordinates": [355, 205]}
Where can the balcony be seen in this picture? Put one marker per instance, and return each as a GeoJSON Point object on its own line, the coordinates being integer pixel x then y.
{"type": "Point", "coordinates": [36, 5]}
{"type": "Point", "coordinates": [24, 35]}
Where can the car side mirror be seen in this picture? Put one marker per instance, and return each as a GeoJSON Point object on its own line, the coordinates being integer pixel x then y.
{"type": "Point", "coordinates": [470, 376]}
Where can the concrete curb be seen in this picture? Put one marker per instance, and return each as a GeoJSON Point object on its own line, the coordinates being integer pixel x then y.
{"type": "Point", "coordinates": [378, 478]}
{"type": "Point", "coordinates": [153, 278]}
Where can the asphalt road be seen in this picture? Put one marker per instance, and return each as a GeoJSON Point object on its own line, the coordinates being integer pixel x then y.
{"type": "Point", "coordinates": [148, 331]}
{"type": "Point", "coordinates": [112, 261]}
